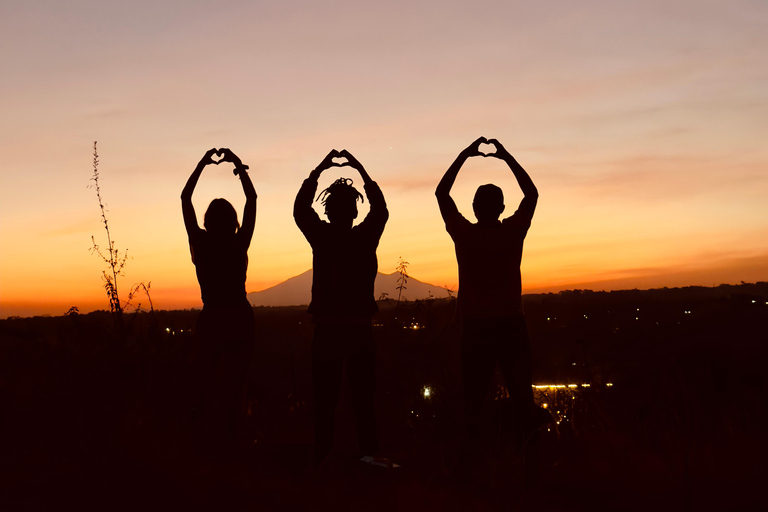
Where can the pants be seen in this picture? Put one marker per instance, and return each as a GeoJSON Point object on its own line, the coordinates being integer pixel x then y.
{"type": "Point", "coordinates": [332, 346]}
{"type": "Point", "coordinates": [226, 338]}
{"type": "Point", "coordinates": [503, 340]}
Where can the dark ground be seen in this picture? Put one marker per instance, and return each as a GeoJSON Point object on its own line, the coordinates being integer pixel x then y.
{"type": "Point", "coordinates": [94, 421]}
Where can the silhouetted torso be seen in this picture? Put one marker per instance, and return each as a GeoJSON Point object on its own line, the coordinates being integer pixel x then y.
{"type": "Point", "coordinates": [221, 263]}
{"type": "Point", "coordinates": [344, 260]}
{"type": "Point", "coordinates": [489, 257]}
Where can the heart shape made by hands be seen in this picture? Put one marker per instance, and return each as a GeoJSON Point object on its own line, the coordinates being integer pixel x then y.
{"type": "Point", "coordinates": [340, 161]}
{"type": "Point", "coordinates": [220, 154]}
{"type": "Point", "coordinates": [487, 149]}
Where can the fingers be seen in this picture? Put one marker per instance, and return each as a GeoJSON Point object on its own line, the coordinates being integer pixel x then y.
{"type": "Point", "coordinates": [474, 148]}
{"type": "Point", "coordinates": [228, 156]}
{"type": "Point", "coordinates": [208, 157]}
{"type": "Point", "coordinates": [327, 161]}
{"type": "Point", "coordinates": [351, 160]}
{"type": "Point", "coordinates": [500, 150]}
{"type": "Point", "coordinates": [331, 155]}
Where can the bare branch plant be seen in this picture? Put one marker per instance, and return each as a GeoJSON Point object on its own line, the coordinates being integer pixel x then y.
{"type": "Point", "coordinates": [111, 255]}
{"type": "Point", "coordinates": [114, 260]}
{"type": "Point", "coordinates": [402, 269]}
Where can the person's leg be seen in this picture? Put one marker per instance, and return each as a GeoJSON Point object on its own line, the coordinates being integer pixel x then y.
{"type": "Point", "coordinates": [233, 368]}
{"type": "Point", "coordinates": [326, 380]}
{"type": "Point", "coordinates": [224, 358]}
{"type": "Point", "coordinates": [514, 354]}
{"type": "Point", "coordinates": [477, 365]}
{"type": "Point", "coordinates": [204, 378]}
{"type": "Point", "coordinates": [513, 350]}
{"type": "Point", "coordinates": [362, 383]}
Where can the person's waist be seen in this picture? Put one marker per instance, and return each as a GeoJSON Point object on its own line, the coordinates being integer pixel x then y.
{"type": "Point", "coordinates": [482, 309]}
{"type": "Point", "coordinates": [229, 301]}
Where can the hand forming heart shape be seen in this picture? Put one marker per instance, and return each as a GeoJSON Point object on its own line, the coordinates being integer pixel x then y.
{"type": "Point", "coordinates": [487, 149]}
{"type": "Point", "coordinates": [339, 161]}
{"type": "Point", "coordinates": [220, 154]}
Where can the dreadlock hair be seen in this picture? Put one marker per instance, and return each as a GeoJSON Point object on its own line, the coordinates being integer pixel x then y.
{"type": "Point", "coordinates": [340, 198]}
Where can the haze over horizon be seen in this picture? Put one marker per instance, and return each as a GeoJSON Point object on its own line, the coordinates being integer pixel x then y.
{"type": "Point", "coordinates": [641, 123]}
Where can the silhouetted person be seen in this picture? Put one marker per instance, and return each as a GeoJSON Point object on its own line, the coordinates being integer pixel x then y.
{"type": "Point", "coordinates": [225, 327]}
{"type": "Point", "coordinates": [344, 269]}
{"type": "Point", "coordinates": [490, 308]}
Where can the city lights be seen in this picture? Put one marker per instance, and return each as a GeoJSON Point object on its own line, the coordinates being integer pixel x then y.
{"type": "Point", "coordinates": [561, 386]}
{"type": "Point", "coordinates": [559, 400]}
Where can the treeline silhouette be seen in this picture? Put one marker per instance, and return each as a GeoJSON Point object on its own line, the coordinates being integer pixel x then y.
{"type": "Point", "coordinates": [87, 416]}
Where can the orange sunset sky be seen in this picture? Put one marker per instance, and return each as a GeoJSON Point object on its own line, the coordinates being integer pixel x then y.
{"type": "Point", "coordinates": [643, 124]}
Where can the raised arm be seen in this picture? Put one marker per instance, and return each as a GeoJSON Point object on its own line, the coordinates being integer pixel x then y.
{"type": "Point", "coordinates": [443, 191]}
{"type": "Point", "coordinates": [245, 233]}
{"type": "Point", "coordinates": [190, 219]}
{"type": "Point", "coordinates": [530, 193]}
{"type": "Point", "coordinates": [355, 164]}
{"type": "Point", "coordinates": [303, 213]}
{"type": "Point", "coordinates": [378, 210]}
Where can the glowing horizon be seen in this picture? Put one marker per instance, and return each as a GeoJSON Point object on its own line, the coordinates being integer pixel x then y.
{"type": "Point", "coordinates": [642, 126]}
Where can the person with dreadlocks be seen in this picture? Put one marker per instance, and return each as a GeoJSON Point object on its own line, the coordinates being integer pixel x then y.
{"type": "Point", "coordinates": [225, 327]}
{"type": "Point", "coordinates": [344, 269]}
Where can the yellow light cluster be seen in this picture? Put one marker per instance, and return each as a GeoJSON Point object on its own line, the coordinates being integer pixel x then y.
{"type": "Point", "coordinates": [562, 386]}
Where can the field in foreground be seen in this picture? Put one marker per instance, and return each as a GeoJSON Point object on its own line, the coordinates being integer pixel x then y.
{"type": "Point", "coordinates": [95, 420]}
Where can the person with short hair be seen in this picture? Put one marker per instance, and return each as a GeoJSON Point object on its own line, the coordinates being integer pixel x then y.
{"type": "Point", "coordinates": [490, 309]}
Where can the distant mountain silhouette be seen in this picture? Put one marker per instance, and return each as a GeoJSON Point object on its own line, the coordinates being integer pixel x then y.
{"type": "Point", "coordinates": [298, 290]}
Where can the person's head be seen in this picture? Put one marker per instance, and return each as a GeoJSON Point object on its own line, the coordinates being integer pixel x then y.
{"type": "Point", "coordinates": [340, 201]}
{"type": "Point", "coordinates": [221, 218]}
{"type": "Point", "coordinates": [488, 203]}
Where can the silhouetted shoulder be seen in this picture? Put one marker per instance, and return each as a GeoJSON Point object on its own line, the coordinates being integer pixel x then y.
{"type": "Point", "coordinates": [456, 223]}
{"type": "Point", "coordinates": [378, 215]}
{"type": "Point", "coordinates": [519, 221]}
{"type": "Point", "coordinates": [305, 216]}
{"type": "Point", "coordinates": [195, 233]}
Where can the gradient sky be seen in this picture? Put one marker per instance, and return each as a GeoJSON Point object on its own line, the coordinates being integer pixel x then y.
{"type": "Point", "coordinates": [643, 124]}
